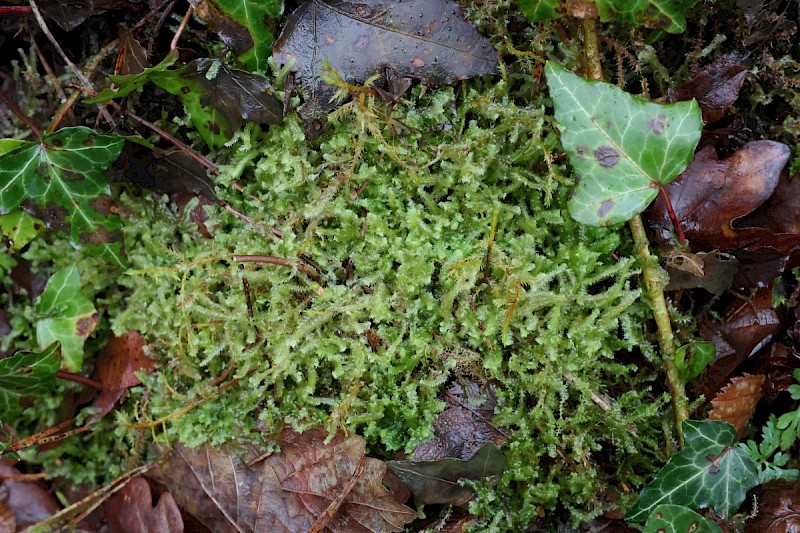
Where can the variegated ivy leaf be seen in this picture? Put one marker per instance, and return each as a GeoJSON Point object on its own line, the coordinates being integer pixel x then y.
{"type": "Point", "coordinates": [622, 148]}
{"type": "Point", "coordinates": [60, 180]}
{"type": "Point", "coordinates": [26, 374]}
{"type": "Point", "coordinates": [678, 519]}
{"type": "Point", "coordinates": [711, 471]}
{"type": "Point", "coordinates": [65, 315]}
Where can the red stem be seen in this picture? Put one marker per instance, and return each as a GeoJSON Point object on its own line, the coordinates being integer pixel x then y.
{"type": "Point", "coordinates": [69, 376]}
{"type": "Point", "coordinates": [672, 216]}
{"type": "Point", "coordinates": [15, 10]}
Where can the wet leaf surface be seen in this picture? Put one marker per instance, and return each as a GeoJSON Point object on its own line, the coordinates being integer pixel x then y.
{"type": "Point", "coordinates": [162, 172]}
{"type": "Point", "coordinates": [119, 359]}
{"type": "Point", "coordinates": [27, 501]}
{"type": "Point", "coordinates": [692, 358]}
{"type": "Point", "coordinates": [778, 508]}
{"type": "Point", "coordinates": [716, 87]}
{"type": "Point", "coordinates": [711, 194]}
{"type": "Point", "coordinates": [736, 401]}
{"type": "Point", "coordinates": [464, 426]}
{"type": "Point", "coordinates": [61, 181]}
{"type": "Point", "coordinates": [708, 472]}
{"type": "Point", "coordinates": [428, 40]}
{"type": "Point", "coordinates": [437, 482]}
{"type": "Point", "coordinates": [20, 228]}
{"type": "Point", "coordinates": [132, 510]}
{"type": "Point", "coordinates": [65, 315]}
{"type": "Point", "coordinates": [286, 492]}
{"type": "Point", "coordinates": [26, 374]}
{"type": "Point", "coordinates": [622, 148]}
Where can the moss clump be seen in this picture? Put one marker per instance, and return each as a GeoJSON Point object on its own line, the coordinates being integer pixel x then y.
{"type": "Point", "coordinates": [393, 213]}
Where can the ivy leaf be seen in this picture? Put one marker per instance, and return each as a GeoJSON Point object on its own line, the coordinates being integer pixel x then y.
{"type": "Point", "coordinates": [62, 176]}
{"type": "Point", "coordinates": [65, 315]}
{"type": "Point", "coordinates": [26, 374]}
{"type": "Point", "coordinates": [622, 148]}
{"type": "Point", "coordinates": [667, 15]}
{"type": "Point", "coordinates": [246, 26]}
{"type": "Point", "coordinates": [691, 359]}
{"type": "Point", "coordinates": [20, 228]}
{"type": "Point", "coordinates": [678, 519]}
{"type": "Point", "coordinates": [710, 472]}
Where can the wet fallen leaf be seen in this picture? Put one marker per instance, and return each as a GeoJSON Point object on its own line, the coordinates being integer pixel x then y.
{"type": "Point", "coordinates": [778, 367]}
{"type": "Point", "coordinates": [746, 327]}
{"type": "Point", "coordinates": [736, 401]}
{"type": "Point", "coordinates": [464, 426]}
{"type": "Point", "coordinates": [427, 40]}
{"type": "Point", "coordinates": [161, 171]}
{"type": "Point", "coordinates": [712, 271]}
{"type": "Point", "coordinates": [132, 57]}
{"type": "Point", "coordinates": [716, 87]}
{"type": "Point", "coordinates": [287, 491]}
{"type": "Point", "coordinates": [711, 194]}
{"type": "Point", "coordinates": [437, 482]}
{"type": "Point", "coordinates": [781, 213]}
{"type": "Point", "coordinates": [131, 510]}
{"type": "Point", "coordinates": [778, 508]}
{"type": "Point", "coordinates": [119, 359]}
{"type": "Point", "coordinates": [28, 501]}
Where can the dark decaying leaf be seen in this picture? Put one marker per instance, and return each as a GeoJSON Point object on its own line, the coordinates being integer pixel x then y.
{"type": "Point", "coordinates": [712, 271]}
{"type": "Point", "coordinates": [437, 482]}
{"type": "Point", "coordinates": [766, 20]}
{"type": "Point", "coordinates": [711, 194]}
{"type": "Point", "coordinates": [218, 99]}
{"type": "Point", "coordinates": [287, 491]}
{"type": "Point", "coordinates": [736, 402]}
{"type": "Point", "coordinates": [427, 40]}
{"type": "Point", "coordinates": [28, 501]}
{"type": "Point", "coordinates": [160, 171]}
{"type": "Point", "coordinates": [131, 510]}
{"type": "Point", "coordinates": [465, 426]}
{"type": "Point", "coordinates": [70, 14]}
{"type": "Point", "coordinates": [716, 87]}
{"type": "Point", "coordinates": [132, 55]}
{"type": "Point", "coordinates": [781, 213]}
{"type": "Point", "coordinates": [778, 508]}
{"type": "Point", "coordinates": [778, 367]}
{"type": "Point", "coordinates": [746, 327]}
{"type": "Point", "coordinates": [119, 359]}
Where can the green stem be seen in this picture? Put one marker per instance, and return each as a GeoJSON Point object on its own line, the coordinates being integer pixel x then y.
{"type": "Point", "coordinates": [653, 280]}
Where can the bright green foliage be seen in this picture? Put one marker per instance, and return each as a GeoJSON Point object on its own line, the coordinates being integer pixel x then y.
{"type": "Point", "coordinates": [64, 173]}
{"type": "Point", "coordinates": [669, 15]}
{"type": "Point", "coordinates": [65, 315]}
{"type": "Point", "coordinates": [622, 148]}
{"type": "Point", "coordinates": [26, 374]}
{"type": "Point", "coordinates": [20, 228]}
{"type": "Point", "coordinates": [258, 17]}
{"type": "Point", "coordinates": [691, 359]}
{"type": "Point", "coordinates": [678, 519]}
{"type": "Point", "coordinates": [134, 82]}
{"type": "Point", "coordinates": [709, 472]}
{"type": "Point", "coordinates": [770, 461]}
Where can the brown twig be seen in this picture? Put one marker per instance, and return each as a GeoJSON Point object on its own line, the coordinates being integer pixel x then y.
{"type": "Point", "coordinates": [174, 44]}
{"type": "Point", "coordinates": [52, 434]}
{"type": "Point", "coordinates": [53, 78]}
{"type": "Point", "coordinates": [78, 74]}
{"type": "Point", "coordinates": [69, 376]}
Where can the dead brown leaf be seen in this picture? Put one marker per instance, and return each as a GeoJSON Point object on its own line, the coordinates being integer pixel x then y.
{"type": "Point", "coordinates": [716, 87]}
{"type": "Point", "coordinates": [778, 508]}
{"type": "Point", "coordinates": [119, 359]}
{"type": "Point", "coordinates": [131, 510]}
{"type": "Point", "coordinates": [28, 501]}
{"type": "Point", "coordinates": [288, 491]}
{"type": "Point", "coordinates": [736, 401]}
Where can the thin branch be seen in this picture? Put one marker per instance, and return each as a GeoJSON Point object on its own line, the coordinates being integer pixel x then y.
{"type": "Point", "coordinates": [174, 44]}
{"type": "Point", "coordinates": [78, 74]}
{"type": "Point", "coordinates": [69, 376]}
{"type": "Point", "coordinates": [14, 108]}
